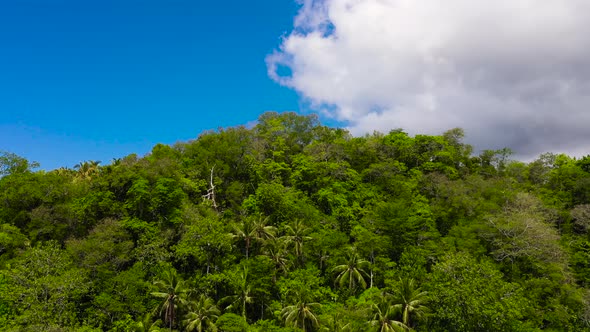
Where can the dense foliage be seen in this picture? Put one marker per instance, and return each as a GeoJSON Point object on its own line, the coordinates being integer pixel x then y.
{"type": "Point", "coordinates": [291, 226]}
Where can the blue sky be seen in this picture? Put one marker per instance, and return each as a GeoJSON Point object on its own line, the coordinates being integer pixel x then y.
{"type": "Point", "coordinates": [95, 80]}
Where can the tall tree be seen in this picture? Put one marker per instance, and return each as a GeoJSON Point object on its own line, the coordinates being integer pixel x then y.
{"type": "Point", "coordinates": [242, 292]}
{"type": "Point", "coordinates": [246, 232]}
{"type": "Point", "coordinates": [253, 230]}
{"type": "Point", "coordinates": [297, 234]}
{"type": "Point", "coordinates": [410, 300]}
{"type": "Point", "coordinates": [173, 290]}
{"type": "Point", "coordinates": [263, 231]}
{"type": "Point", "coordinates": [276, 250]}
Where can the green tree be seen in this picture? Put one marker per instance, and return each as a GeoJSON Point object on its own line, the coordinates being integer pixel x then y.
{"type": "Point", "coordinates": [202, 314]}
{"type": "Point", "coordinates": [242, 292]}
{"type": "Point", "coordinates": [11, 163]}
{"type": "Point", "coordinates": [370, 244]}
{"type": "Point", "coordinates": [205, 240]}
{"type": "Point", "coordinates": [252, 231]}
{"type": "Point", "coordinates": [247, 232]}
{"type": "Point", "coordinates": [276, 250]}
{"type": "Point", "coordinates": [116, 297]}
{"type": "Point", "coordinates": [352, 274]}
{"type": "Point", "coordinates": [173, 290]}
{"type": "Point", "coordinates": [263, 231]}
{"type": "Point", "coordinates": [288, 132]}
{"type": "Point", "coordinates": [105, 250]}
{"type": "Point", "coordinates": [467, 295]}
{"type": "Point", "coordinates": [301, 315]}
{"type": "Point", "coordinates": [229, 322]}
{"type": "Point", "coordinates": [138, 198]}
{"type": "Point", "coordinates": [305, 285]}
{"type": "Point", "coordinates": [11, 240]}
{"type": "Point", "coordinates": [297, 233]}
{"type": "Point", "coordinates": [580, 261]}
{"type": "Point", "coordinates": [383, 315]}
{"type": "Point", "coordinates": [45, 288]}
{"type": "Point", "coordinates": [335, 323]}
{"type": "Point", "coordinates": [147, 324]}
{"type": "Point", "coordinates": [410, 300]}
{"type": "Point", "coordinates": [407, 220]}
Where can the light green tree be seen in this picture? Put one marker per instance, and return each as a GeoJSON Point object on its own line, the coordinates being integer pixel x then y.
{"type": "Point", "coordinates": [45, 288]}
{"type": "Point", "coordinates": [11, 163]}
{"type": "Point", "coordinates": [201, 315]}
{"type": "Point", "coordinates": [86, 170]}
{"type": "Point", "coordinates": [301, 315]}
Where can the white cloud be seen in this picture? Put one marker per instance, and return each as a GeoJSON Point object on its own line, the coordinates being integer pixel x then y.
{"type": "Point", "coordinates": [510, 72]}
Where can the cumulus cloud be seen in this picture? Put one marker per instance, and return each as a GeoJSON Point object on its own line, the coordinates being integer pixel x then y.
{"type": "Point", "coordinates": [512, 73]}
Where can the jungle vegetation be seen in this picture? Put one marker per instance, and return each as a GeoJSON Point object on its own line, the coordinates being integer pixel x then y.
{"type": "Point", "coordinates": [294, 226]}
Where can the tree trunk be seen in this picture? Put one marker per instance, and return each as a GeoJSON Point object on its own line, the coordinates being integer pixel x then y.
{"type": "Point", "coordinates": [247, 247]}
{"type": "Point", "coordinates": [372, 264]}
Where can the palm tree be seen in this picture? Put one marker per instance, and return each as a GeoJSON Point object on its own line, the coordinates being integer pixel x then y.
{"type": "Point", "coordinates": [262, 231]}
{"type": "Point", "coordinates": [243, 294]}
{"type": "Point", "coordinates": [173, 291]}
{"type": "Point", "coordinates": [383, 313]}
{"type": "Point", "coordinates": [87, 169]}
{"type": "Point", "coordinates": [301, 315]}
{"type": "Point", "coordinates": [352, 274]}
{"type": "Point", "coordinates": [63, 171]}
{"type": "Point", "coordinates": [297, 234]}
{"type": "Point", "coordinates": [276, 250]}
{"type": "Point", "coordinates": [245, 231]}
{"type": "Point", "coordinates": [410, 300]}
{"type": "Point", "coordinates": [202, 314]}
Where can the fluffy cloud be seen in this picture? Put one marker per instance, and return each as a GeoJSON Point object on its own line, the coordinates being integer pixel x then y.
{"type": "Point", "coordinates": [512, 73]}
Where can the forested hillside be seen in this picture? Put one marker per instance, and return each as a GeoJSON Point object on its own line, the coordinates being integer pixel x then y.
{"type": "Point", "coordinates": [294, 226]}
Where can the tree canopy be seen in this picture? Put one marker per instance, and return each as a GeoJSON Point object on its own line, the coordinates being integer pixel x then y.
{"type": "Point", "coordinates": [294, 226]}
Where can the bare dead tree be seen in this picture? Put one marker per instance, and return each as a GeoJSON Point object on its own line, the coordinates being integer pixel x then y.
{"type": "Point", "coordinates": [211, 191]}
